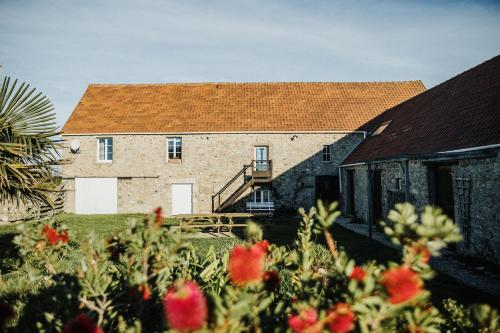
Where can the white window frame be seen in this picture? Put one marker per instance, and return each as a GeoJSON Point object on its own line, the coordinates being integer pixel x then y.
{"type": "Point", "coordinates": [106, 150]}
{"type": "Point", "coordinates": [263, 194]}
{"type": "Point", "coordinates": [264, 204]}
{"type": "Point", "coordinates": [326, 156]}
{"type": "Point", "coordinates": [175, 140]}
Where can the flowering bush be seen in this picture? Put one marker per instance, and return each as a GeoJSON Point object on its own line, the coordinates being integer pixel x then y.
{"type": "Point", "coordinates": [148, 278]}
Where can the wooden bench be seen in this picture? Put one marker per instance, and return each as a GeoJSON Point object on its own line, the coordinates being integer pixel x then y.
{"type": "Point", "coordinates": [219, 221]}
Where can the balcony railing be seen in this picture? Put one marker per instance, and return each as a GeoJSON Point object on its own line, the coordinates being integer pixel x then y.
{"type": "Point", "coordinates": [259, 206]}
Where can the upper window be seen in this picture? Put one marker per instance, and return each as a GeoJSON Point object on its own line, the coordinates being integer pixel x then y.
{"type": "Point", "coordinates": [174, 148]}
{"type": "Point", "coordinates": [327, 156]}
{"type": "Point", "coordinates": [105, 149]}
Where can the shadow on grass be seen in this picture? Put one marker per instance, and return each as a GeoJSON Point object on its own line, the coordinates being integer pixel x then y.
{"type": "Point", "coordinates": [283, 231]}
{"type": "Point", "coordinates": [9, 253]}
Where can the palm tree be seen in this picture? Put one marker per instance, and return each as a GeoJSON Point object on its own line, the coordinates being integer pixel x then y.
{"type": "Point", "coordinates": [28, 151]}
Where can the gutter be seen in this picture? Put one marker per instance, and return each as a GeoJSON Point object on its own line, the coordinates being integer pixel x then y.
{"type": "Point", "coordinates": [470, 149]}
{"type": "Point", "coordinates": [201, 133]}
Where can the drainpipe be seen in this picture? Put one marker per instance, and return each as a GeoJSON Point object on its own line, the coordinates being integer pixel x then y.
{"type": "Point", "coordinates": [370, 203]}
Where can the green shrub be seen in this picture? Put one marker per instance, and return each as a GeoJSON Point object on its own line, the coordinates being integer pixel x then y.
{"type": "Point", "coordinates": [148, 278]}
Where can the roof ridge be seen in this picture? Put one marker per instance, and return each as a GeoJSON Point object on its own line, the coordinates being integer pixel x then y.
{"type": "Point", "coordinates": [250, 82]}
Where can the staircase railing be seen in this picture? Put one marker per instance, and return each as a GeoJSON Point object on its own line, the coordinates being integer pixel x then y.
{"type": "Point", "coordinates": [216, 198]}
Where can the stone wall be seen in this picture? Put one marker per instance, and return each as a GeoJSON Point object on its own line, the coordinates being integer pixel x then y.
{"type": "Point", "coordinates": [484, 221]}
{"type": "Point", "coordinates": [209, 161]}
{"type": "Point", "coordinates": [484, 203]}
{"type": "Point", "coordinates": [393, 183]}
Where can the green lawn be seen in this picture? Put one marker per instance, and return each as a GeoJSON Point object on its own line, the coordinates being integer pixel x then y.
{"type": "Point", "coordinates": [282, 232]}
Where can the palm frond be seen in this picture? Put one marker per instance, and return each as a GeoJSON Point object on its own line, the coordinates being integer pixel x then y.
{"type": "Point", "coordinates": [28, 151]}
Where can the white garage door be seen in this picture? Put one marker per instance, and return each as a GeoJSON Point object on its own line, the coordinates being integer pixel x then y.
{"type": "Point", "coordinates": [181, 199]}
{"type": "Point", "coordinates": [96, 196]}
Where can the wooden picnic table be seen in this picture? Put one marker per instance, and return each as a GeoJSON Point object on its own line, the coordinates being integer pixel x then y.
{"type": "Point", "coordinates": [220, 221]}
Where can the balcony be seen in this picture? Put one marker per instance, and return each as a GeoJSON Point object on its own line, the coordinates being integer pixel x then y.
{"type": "Point", "coordinates": [259, 206]}
{"type": "Point", "coordinates": [262, 170]}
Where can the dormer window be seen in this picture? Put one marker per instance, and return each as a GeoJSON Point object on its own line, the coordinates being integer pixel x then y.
{"type": "Point", "coordinates": [105, 150]}
{"type": "Point", "coordinates": [174, 148]}
{"type": "Point", "coordinates": [381, 128]}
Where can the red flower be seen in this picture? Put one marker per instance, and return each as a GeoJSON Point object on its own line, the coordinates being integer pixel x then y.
{"type": "Point", "coordinates": [304, 321]}
{"type": "Point", "coordinates": [82, 324]}
{"type": "Point", "coordinates": [341, 318]}
{"type": "Point", "coordinates": [53, 237]}
{"type": "Point", "coordinates": [358, 274]}
{"type": "Point", "coordinates": [423, 252]}
{"type": "Point", "coordinates": [401, 284]}
{"type": "Point", "coordinates": [185, 307]}
{"type": "Point", "coordinates": [272, 280]}
{"type": "Point", "coordinates": [145, 292]}
{"type": "Point", "coordinates": [264, 244]}
{"type": "Point", "coordinates": [246, 264]}
{"type": "Point", "coordinates": [158, 215]}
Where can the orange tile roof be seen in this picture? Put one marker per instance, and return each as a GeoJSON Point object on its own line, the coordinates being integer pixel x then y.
{"type": "Point", "coordinates": [234, 107]}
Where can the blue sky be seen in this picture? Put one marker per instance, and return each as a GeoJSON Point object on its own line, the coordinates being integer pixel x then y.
{"type": "Point", "coordinates": [60, 46]}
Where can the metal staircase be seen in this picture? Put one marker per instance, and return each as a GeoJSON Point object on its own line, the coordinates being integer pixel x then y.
{"type": "Point", "coordinates": [257, 173]}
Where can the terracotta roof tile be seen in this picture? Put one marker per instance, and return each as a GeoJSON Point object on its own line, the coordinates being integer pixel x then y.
{"type": "Point", "coordinates": [234, 107]}
{"type": "Point", "coordinates": [463, 112]}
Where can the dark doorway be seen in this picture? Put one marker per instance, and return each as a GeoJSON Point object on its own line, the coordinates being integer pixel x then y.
{"type": "Point", "coordinates": [377, 195]}
{"type": "Point", "coordinates": [351, 204]}
{"type": "Point", "coordinates": [443, 189]}
{"type": "Point", "coordinates": [327, 188]}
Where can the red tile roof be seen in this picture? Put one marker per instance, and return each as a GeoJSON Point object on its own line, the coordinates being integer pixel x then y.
{"type": "Point", "coordinates": [463, 112]}
{"type": "Point", "coordinates": [234, 107]}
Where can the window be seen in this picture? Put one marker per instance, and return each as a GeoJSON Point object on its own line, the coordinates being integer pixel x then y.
{"type": "Point", "coordinates": [327, 156]}
{"type": "Point", "coordinates": [174, 148]}
{"type": "Point", "coordinates": [105, 149]}
{"type": "Point", "coordinates": [381, 128]}
{"type": "Point", "coordinates": [260, 196]}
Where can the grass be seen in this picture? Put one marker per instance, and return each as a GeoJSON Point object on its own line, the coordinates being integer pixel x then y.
{"type": "Point", "coordinates": [283, 231]}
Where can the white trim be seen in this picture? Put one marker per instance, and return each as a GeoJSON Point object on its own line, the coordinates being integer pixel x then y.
{"type": "Point", "coordinates": [174, 140]}
{"type": "Point", "coordinates": [105, 160]}
{"type": "Point", "coordinates": [497, 145]}
{"type": "Point", "coordinates": [201, 133]}
{"type": "Point", "coordinates": [353, 164]}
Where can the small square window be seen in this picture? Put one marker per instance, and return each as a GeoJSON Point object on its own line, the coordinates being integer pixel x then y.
{"type": "Point", "coordinates": [105, 149]}
{"type": "Point", "coordinates": [174, 148]}
{"type": "Point", "coordinates": [327, 156]}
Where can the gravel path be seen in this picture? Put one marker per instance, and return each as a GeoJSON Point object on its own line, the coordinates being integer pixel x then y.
{"type": "Point", "coordinates": [448, 263]}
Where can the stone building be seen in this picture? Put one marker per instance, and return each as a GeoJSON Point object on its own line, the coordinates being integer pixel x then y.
{"type": "Point", "coordinates": [198, 148]}
{"type": "Point", "coordinates": [441, 147]}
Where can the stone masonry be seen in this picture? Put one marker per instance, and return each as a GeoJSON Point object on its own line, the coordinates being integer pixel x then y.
{"type": "Point", "coordinates": [483, 178]}
{"type": "Point", "coordinates": [209, 161]}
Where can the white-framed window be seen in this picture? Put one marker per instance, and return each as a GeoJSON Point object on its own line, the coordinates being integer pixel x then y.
{"type": "Point", "coordinates": [260, 196]}
{"type": "Point", "coordinates": [174, 148]}
{"type": "Point", "coordinates": [105, 149]}
{"type": "Point", "coordinates": [327, 155]}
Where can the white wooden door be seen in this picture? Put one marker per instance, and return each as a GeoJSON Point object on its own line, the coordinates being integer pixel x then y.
{"type": "Point", "coordinates": [182, 195]}
{"type": "Point", "coordinates": [96, 195]}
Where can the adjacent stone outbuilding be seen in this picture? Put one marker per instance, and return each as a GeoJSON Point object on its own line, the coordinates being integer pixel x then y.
{"type": "Point", "coordinates": [442, 148]}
